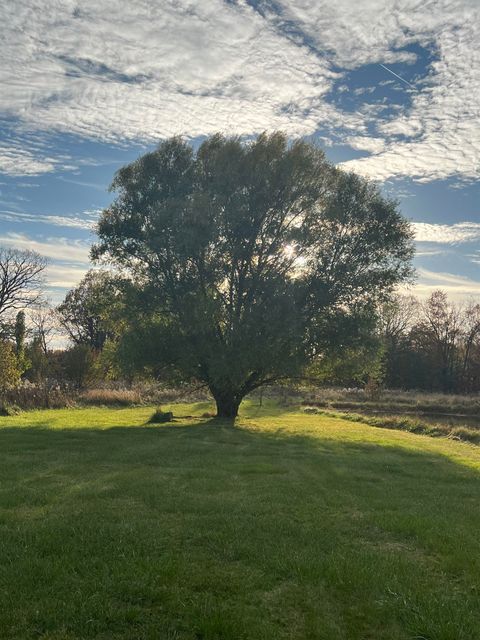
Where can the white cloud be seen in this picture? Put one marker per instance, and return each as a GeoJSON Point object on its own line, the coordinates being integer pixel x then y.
{"type": "Point", "coordinates": [114, 70]}
{"type": "Point", "coordinates": [86, 220]}
{"type": "Point", "coordinates": [64, 276]}
{"type": "Point", "coordinates": [458, 288]}
{"type": "Point", "coordinates": [70, 251]}
{"type": "Point", "coordinates": [438, 136]}
{"type": "Point", "coordinates": [447, 233]}
{"type": "Point", "coordinates": [119, 71]}
{"type": "Point", "coordinates": [366, 143]}
{"type": "Point", "coordinates": [423, 252]}
{"type": "Point", "coordinates": [19, 162]}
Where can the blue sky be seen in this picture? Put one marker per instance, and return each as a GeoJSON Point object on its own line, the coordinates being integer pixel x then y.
{"type": "Point", "coordinates": [389, 88]}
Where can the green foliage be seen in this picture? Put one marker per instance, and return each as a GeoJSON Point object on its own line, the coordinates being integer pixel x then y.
{"type": "Point", "coordinates": [79, 363]}
{"type": "Point", "coordinates": [352, 351]}
{"type": "Point", "coordinates": [7, 410]}
{"type": "Point", "coordinates": [148, 348]}
{"type": "Point", "coordinates": [38, 361]}
{"type": "Point", "coordinates": [243, 254]}
{"type": "Point", "coordinates": [20, 331]}
{"type": "Point", "coordinates": [9, 368]}
{"type": "Point", "coordinates": [91, 313]}
{"type": "Point", "coordinates": [107, 365]}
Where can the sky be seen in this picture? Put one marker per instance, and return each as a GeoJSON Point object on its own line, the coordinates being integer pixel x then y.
{"type": "Point", "coordinates": [388, 88]}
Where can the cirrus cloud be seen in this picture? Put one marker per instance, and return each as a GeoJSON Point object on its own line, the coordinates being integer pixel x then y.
{"type": "Point", "coordinates": [447, 233]}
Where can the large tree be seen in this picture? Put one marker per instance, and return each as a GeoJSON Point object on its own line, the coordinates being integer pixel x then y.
{"type": "Point", "coordinates": [247, 254]}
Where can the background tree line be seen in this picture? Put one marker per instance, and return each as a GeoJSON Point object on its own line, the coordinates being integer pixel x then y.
{"type": "Point", "coordinates": [432, 345]}
{"type": "Point", "coordinates": [404, 343]}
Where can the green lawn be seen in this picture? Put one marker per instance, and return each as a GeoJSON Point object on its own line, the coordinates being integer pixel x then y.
{"type": "Point", "coordinates": [286, 526]}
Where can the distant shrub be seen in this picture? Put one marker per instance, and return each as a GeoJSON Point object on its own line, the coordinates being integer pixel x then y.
{"type": "Point", "coordinates": [373, 389]}
{"type": "Point", "coordinates": [161, 416]}
{"type": "Point", "coordinates": [9, 410]}
{"type": "Point", "coordinates": [50, 394]}
{"type": "Point", "coordinates": [111, 397]}
{"type": "Point", "coordinates": [464, 433]}
{"type": "Point", "coordinates": [79, 362]}
{"type": "Point", "coordinates": [27, 396]}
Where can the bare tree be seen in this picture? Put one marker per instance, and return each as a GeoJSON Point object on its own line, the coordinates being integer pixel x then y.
{"type": "Point", "coordinates": [44, 324]}
{"type": "Point", "coordinates": [21, 279]}
{"type": "Point", "coordinates": [444, 321]}
{"type": "Point", "coordinates": [471, 337]}
{"type": "Point", "coordinates": [397, 317]}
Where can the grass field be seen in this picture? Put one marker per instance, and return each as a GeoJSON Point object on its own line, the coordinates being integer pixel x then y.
{"type": "Point", "coordinates": [286, 526]}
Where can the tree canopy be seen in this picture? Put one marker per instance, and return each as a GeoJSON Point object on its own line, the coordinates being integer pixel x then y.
{"type": "Point", "coordinates": [90, 311]}
{"type": "Point", "coordinates": [247, 255]}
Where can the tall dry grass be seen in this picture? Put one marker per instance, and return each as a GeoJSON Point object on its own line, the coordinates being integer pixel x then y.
{"type": "Point", "coordinates": [394, 400]}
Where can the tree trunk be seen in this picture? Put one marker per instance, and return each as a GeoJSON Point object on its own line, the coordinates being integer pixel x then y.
{"type": "Point", "coordinates": [227, 404]}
